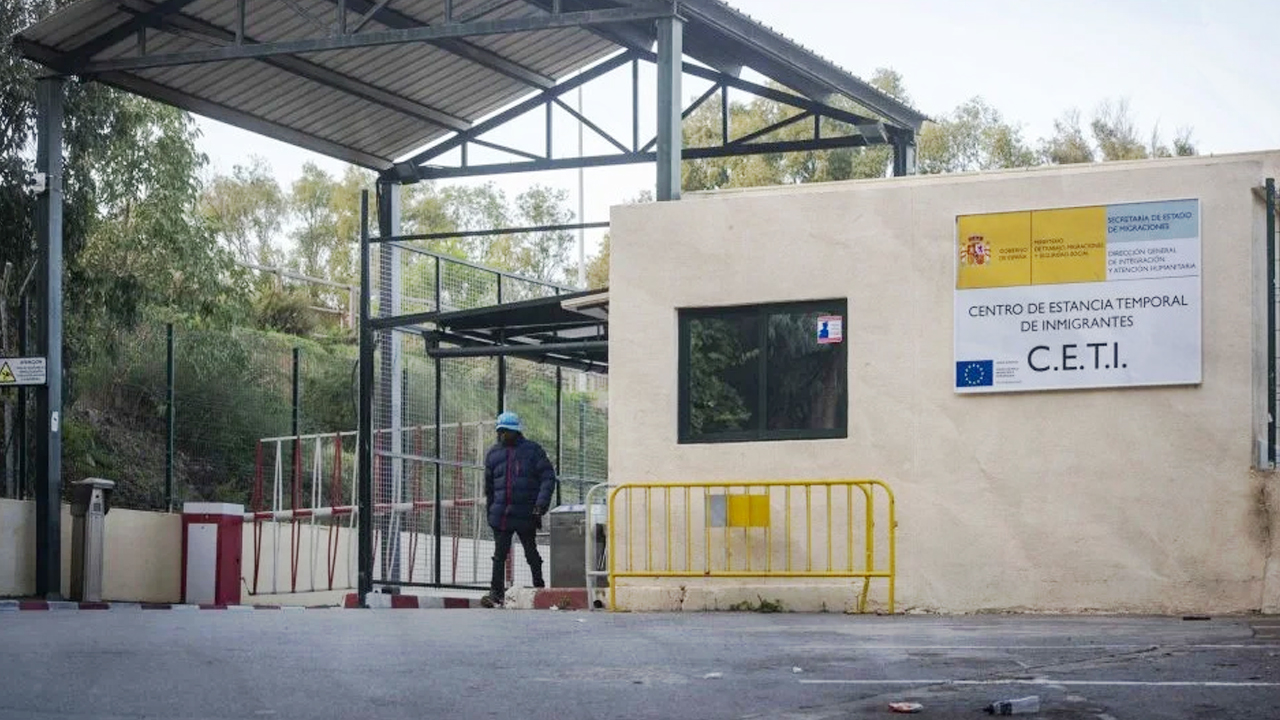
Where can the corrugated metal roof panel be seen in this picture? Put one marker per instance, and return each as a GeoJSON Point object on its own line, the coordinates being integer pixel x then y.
{"type": "Point", "coordinates": [371, 105]}
{"type": "Point", "coordinates": [63, 28]}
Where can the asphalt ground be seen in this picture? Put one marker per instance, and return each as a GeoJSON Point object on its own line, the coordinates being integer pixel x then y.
{"type": "Point", "coordinates": [317, 664]}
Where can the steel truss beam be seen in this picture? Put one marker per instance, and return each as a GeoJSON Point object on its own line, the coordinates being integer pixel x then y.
{"type": "Point", "coordinates": [394, 20]}
{"type": "Point", "coordinates": [407, 169]}
{"type": "Point", "coordinates": [770, 148]}
{"type": "Point", "coordinates": [864, 131]}
{"type": "Point", "coordinates": [558, 227]}
{"type": "Point", "coordinates": [434, 338]}
{"type": "Point", "coordinates": [431, 34]}
{"type": "Point", "coordinates": [85, 52]}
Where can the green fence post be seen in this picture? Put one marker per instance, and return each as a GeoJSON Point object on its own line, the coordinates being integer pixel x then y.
{"type": "Point", "coordinates": [169, 418]}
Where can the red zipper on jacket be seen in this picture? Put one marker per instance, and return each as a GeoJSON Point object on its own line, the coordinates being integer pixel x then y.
{"type": "Point", "coordinates": [507, 510]}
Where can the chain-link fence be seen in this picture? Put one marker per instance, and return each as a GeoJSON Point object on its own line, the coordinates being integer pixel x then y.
{"type": "Point", "coordinates": [268, 420]}
{"type": "Point", "coordinates": [175, 414]}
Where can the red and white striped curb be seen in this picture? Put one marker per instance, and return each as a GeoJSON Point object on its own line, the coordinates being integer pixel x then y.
{"type": "Point", "coordinates": [380, 601]}
{"type": "Point", "coordinates": [56, 605]}
{"type": "Point", "coordinates": [574, 599]}
{"type": "Point", "coordinates": [517, 599]}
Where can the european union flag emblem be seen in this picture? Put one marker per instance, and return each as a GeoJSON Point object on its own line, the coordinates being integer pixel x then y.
{"type": "Point", "coordinates": [975, 373]}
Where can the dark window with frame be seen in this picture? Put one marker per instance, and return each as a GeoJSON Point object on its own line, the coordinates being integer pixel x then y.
{"type": "Point", "coordinates": [763, 372]}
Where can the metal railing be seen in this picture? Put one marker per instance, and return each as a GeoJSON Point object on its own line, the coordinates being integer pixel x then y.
{"type": "Point", "coordinates": [755, 529]}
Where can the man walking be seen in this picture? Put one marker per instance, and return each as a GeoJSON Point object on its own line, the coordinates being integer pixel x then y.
{"type": "Point", "coordinates": [518, 482]}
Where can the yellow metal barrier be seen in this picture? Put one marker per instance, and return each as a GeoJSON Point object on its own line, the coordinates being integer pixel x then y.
{"type": "Point", "coordinates": [713, 513]}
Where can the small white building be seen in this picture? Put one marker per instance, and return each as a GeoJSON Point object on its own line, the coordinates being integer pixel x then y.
{"type": "Point", "coordinates": [1062, 373]}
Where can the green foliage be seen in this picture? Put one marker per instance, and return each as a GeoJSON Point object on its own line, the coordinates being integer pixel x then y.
{"type": "Point", "coordinates": [286, 311]}
{"type": "Point", "coordinates": [598, 267]}
{"type": "Point", "coordinates": [429, 208]}
{"type": "Point", "coordinates": [131, 236]}
{"type": "Point", "coordinates": [326, 241]}
{"type": "Point", "coordinates": [245, 212]}
{"type": "Point", "coordinates": [1068, 144]}
{"type": "Point", "coordinates": [146, 247]}
{"type": "Point", "coordinates": [973, 137]}
{"type": "Point", "coordinates": [232, 388]}
{"type": "Point", "coordinates": [719, 364]}
{"type": "Point", "coordinates": [703, 128]}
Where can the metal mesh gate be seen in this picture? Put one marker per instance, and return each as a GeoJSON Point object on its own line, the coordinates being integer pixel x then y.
{"type": "Point", "coordinates": [432, 418]}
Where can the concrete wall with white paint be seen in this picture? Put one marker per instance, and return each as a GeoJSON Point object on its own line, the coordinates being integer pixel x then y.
{"type": "Point", "coordinates": [142, 559]}
{"type": "Point", "coordinates": [1122, 500]}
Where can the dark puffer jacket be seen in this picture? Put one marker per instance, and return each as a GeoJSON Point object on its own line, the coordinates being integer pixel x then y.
{"type": "Point", "coordinates": [517, 479]}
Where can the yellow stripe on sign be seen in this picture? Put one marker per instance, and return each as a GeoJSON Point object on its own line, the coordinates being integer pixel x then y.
{"type": "Point", "coordinates": [748, 511]}
{"type": "Point", "coordinates": [993, 250]}
{"type": "Point", "coordinates": [1069, 246]}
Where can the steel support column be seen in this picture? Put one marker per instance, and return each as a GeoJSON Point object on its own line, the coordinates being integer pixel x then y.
{"type": "Point", "coordinates": [559, 430]}
{"type": "Point", "coordinates": [437, 526]}
{"type": "Point", "coordinates": [670, 137]}
{"type": "Point", "coordinates": [502, 363]}
{"type": "Point", "coordinates": [904, 154]}
{"type": "Point", "coordinates": [389, 395]}
{"type": "Point", "coordinates": [1272, 404]}
{"type": "Point", "coordinates": [170, 418]}
{"type": "Point", "coordinates": [48, 483]}
{"type": "Point", "coordinates": [364, 440]}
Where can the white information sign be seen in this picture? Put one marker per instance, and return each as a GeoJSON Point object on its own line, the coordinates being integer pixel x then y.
{"type": "Point", "coordinates": [1105, 296]}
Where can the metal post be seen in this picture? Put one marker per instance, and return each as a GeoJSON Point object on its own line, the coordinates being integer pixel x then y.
{"type": "Point", "coordinates": [904, 153]}
{"type": "Point", "coordinates": [582, 233]}
{"type": "Point", "coordinates": [559, 428]}
{"type": "Point", "coordinates": [297, 394]}
{"type": "Point", "coordinates": [389, 392]}
{"type": "Point", "coordinates": [502, 361]}
{"type": "Point", "coordinates": [582, 446]}
{"type": "Point", "coordinates": [437, 527]}
{"type": "Point", "coordinates": [635, 106]}
{"type": "Point", "coordinates": [23, 445]}
{"type": "Point", "coordinates": [169, 418]}
{"type": "Point", "coordinates": [48, 487]}
{"type": "Point", "coordinates": [1271, 321]}
{"type": "Point", "coordinates": [670, 138]}
{"type": "Point", "coordinates": [364, 449]}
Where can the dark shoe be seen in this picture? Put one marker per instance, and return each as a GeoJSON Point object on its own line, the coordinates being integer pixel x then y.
{"type": "Point", "coordinates": [538, 583]}
{"type": "Point", "coordinates": [490, 601]}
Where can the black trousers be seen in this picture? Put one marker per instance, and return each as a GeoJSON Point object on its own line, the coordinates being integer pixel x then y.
{"type": "Point", "coordinates": [502, 541]}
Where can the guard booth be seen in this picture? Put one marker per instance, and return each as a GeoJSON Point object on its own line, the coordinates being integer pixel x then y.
{"type": "Point", "coordinates": [212, 543]}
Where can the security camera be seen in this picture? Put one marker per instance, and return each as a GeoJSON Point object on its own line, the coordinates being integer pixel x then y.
{"type": "Point", "coordinates": [39, 183]}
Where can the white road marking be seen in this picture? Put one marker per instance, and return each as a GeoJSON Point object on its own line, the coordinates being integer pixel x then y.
{"type": "Point", "coordinates": [1045, 681]}
{"type": "Point", "coordinates": [1020, 648]}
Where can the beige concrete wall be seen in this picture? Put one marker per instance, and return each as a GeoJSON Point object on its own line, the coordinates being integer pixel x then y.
{"type": "Point", "coordinates": [143, 560]}
{"type": "Point", "coordinates": [275, 564]}
{"type": "Point", "coordinates": [1133, 500]}
{"type": "Point", "coordinates": [141, 563]}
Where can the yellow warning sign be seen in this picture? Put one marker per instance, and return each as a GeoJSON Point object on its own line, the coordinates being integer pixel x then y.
{"type": "Point", "coordinates": [6, 375]}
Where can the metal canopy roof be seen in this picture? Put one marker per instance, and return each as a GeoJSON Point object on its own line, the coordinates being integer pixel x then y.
{"type": "Point", "coordinates": [571, 330]}
{"type": "Point", "coordinates": [372, 81]}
